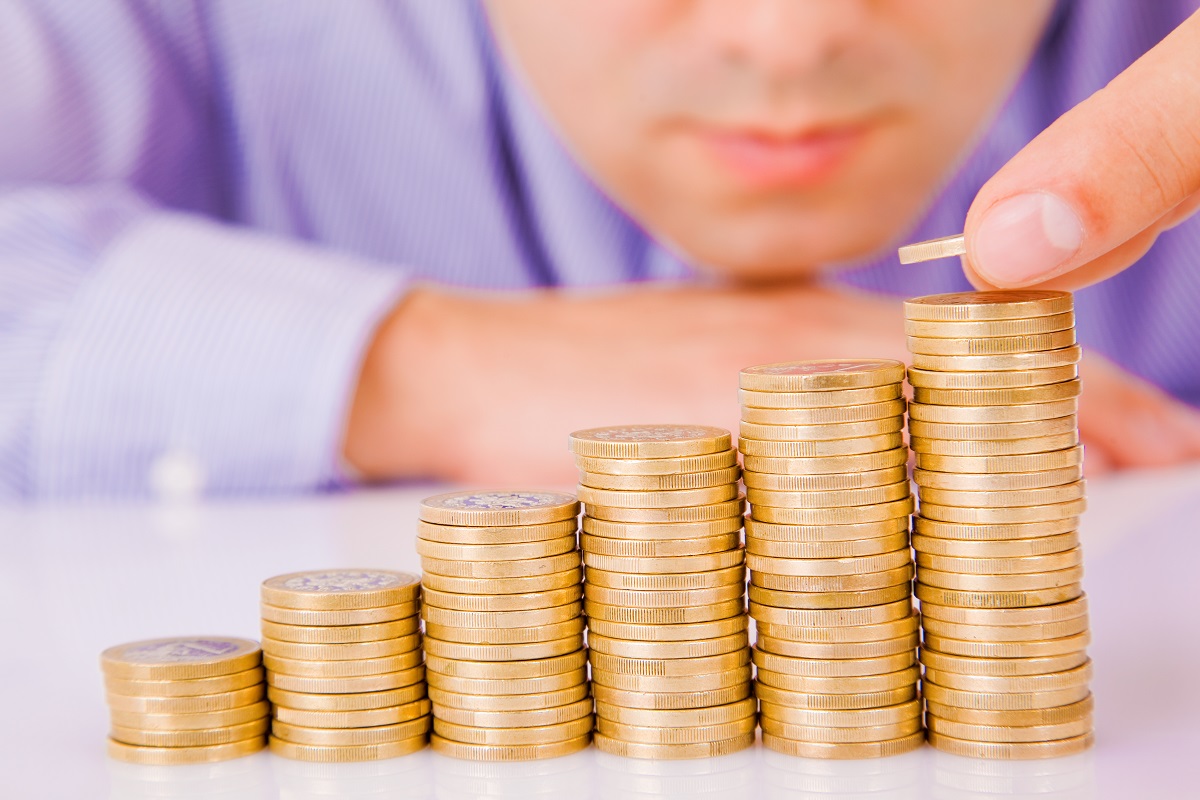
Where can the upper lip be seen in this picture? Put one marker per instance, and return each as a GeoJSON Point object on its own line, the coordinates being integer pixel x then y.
{"type": "Point", "coordinates": [782, 134]}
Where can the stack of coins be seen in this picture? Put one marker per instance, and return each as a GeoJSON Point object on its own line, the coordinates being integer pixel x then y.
{"type": "Point", "coordinates": [185, 700]}
{"type": "Point", "coordinates": [504, 625]}
{"type": "Point", "coordinates": [999, 475]}
{"type": "Point", "coordinates": [342, 650]}
{"type": "Point", "coordinates": [665, 591]}
{"type": "Point", "coordinates": [827, 543]}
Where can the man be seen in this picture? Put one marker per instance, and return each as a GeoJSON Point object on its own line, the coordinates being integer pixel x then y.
{"type": "Point", "coordinates": [236, 237]}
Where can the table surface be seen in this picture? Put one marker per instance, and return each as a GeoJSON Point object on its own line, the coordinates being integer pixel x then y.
{"type": "Point", "coordinates": [75, 580]}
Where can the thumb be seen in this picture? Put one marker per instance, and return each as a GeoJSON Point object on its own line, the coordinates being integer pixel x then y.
{"type": "Point", "coordinates": [1087, 197]}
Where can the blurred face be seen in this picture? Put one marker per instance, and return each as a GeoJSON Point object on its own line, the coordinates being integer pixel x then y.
{"type": "Point", "coordinates": [765, 138]}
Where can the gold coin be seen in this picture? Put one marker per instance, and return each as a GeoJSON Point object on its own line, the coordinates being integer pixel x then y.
{"type": "Point", "coordinates": [341, 634]}
{"type": "Point", "coordinates": [670, 667]}
{"type": "Point", "coordinates": [526, 635]}
{"type": "Point", "coordinates": [661, 483]}
{"type": "Point", "coordinates": [342, 669]}
{"type": "Point", "coordinates": [843, 718]}
{"type": "Point", "coordinates": [1021, 750]}
{"type": "Point", "coordinates": [661, 650]}
{"type": "Point", "coordinates": [838, 481]}
{"type": "Point", "coordinates": [497, 552]}
{"type": "Point", "coordinates": [544, 734]}
{"type": "Point", "coordinates": [995, 447]}
{"type": "Point", "coordinates": [180, 658]}
{"type": "Point", "coordinates": [825, 415]}
{"type": "Point", "coordinates": [828, 465]}
{"type": "Point", "coordinates": [855, 652]}
{"type": "Point", "coordinates": [665, 598]}
{"type": "Point", "coordinates": [680, 580]}
{"type": "Point", "coordinates": [649, 441]}
{"type": "Point", "coordinates": [494, 534]}
{"type": "Point", "coordinates": [820, 433]}
{"type": "Point", "coordinates": [669, 633]}
{"type": "Point", "coordinates": [342, 652]}
{"type": "Point", "coordinates": [134, 754]}
{"type": "Point", "coordinates": [972, 306]}
{"type": "Point", "coordinates": [1003, 701]}
{"type": "Point", "coordinates": [821, 375]}
{"type": "Point", "coordinates": [998, 549]}
{"type": "Point", "coordinates": [1019, 718]}
{"type": "Point", "coordinates": [791, 450]}
{"type": "Point", "coordinates": [491, 586]}
{"type": "Point", "coordinates": [652, 734]}
{"type": "Point", "coordinates": [666, 616]}
{"type": "Point", "coordinates": [968, 532]}
{"type": "Point", "coordinates": [189, 722]}
{"type": "Point", "coordinates": [829, 600]}
{"type": "Point", "coordinates": [1072, 609]}
{"type": "Point", "coordinates": [366, 683]}
{"type": "Point", "coordinates": [503, 602]}
{"type": "Point", "coordinates": [706, 682]}
{"type": "Point", "coordinates": [523, 568]}
{"type": "Point", "coordinates": [843, 515]}
{"type": "Point", "coordinates": [821, 733]}
{"type": "Point", "coordinates": [832, 617]}
{"type": "Point", "coordinates": [503, 652]}
{"type": "Point", "coordinates": [508, 752]}
{"type": "Point", "coordinates": [185, 688]}
{"type": "Point", "coordinates": [678, 498]}
{"type": "Point", "coordinates": [335, 589]}
{"type": "Point", "coordinates": [981, 415]}
{"type": "Point", "coordinates": [518, 719]}
{"type": "Point", "coordinates": [542, 683]}
{"type": "Point", "coordinates": [871, 495]}
{"type": "Point", "coordinates": [1017, 396]}
{"type": "Point", "coordinates": [189, 704]}
{"type": "Point", "coordinates": [816, 567]}
{"type": "Point", "coordinates": [839, 684]}
{"type": "Point", "coordinates": [834, 583]}
{"type": "Point", "coordinates": [677, 717]}
{"type": "Point", "coordinates": [994, 430]}
{"type": "Point", "coordinates": [443, 699]}
{"type": "Point", "coordinates": [340, 618]}
{"type": "Point", "coordinates": [658, 466]}
{"type": "Point", "coordinates": [657, 548]}
{"type": "Point", "coordinates": [708, 562]}
{"type": "Point", "coordinates": [494, 670]}
{"type": "Point", "coordinates": [844, 750]}
{"type": "Point", "coordinates": [1002, 482]}
{"type": "Point", "coordinates": [978, 347]}
{"type": "Point", "coordinates": [992, 327]}
{"type": "Point", "coordinates": [331, 754]}
{"type": "Point", "coordinates": [1029, 369]}
{"type": "Point", "coordinates": [1002, 667]}
{"type": "Point", "coordinates": [1006, 684]}
{"type": "Point", "coordinates": [478, 509]}
{"type": "Point", "coordinates": [1002, 516]}
{"type": "Point", "coordinates": [662, 531]}
{"type": "Point", "coordinates": [1012, 565]}
{"type": "Point", "coordinates": [760, 532]}
{"type": "Point", "coordinates": [962, 582]}
{"type": "Point", "coordinates": [625, 749]}
{"type": "Point", "coordinates": [1048, 495]}
{"type": "Point", "coordinates": [1004, 734]}
{"type": "Point", "coordinates": [890, 629]}
{"type": "Point", "coordinates": [833, 549]}
{"type": "Point", "coordinates": [748, 398]}
{"type": "Point", "coordinates": [699, 513]}
{"type": "Point", "coordinates": [199, 738]}
{"type": "Point", "coordinates": [1035, 649]}
{"type": "Point", "coordinates": [343, 737]}
{"type": "Point", "coordinates": [833, 668]}
{"type": "Point", "coordinates": [835, 702]}
{"type": "Point", "coordinates": [327, 707]}
{"type": "Point", "coordinates": [502, 619]}
{"type": "Point", "coordinates": [1031, 462]}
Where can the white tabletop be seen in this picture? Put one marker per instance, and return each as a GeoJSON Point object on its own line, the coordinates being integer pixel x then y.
{"type": "Point", "coordinates": [74, 581]}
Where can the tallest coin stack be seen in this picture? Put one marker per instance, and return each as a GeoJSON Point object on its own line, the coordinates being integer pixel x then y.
{"type": "Point", "coordinates": [999, 477]}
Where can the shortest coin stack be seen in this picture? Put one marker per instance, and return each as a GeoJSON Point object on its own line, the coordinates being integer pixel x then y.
{"type": "Point", "coordinates": [185, 700]}
{"type": "Point", "coordinates": [504, 625]}
{"type": "Point", "coordinates": [342, 649]}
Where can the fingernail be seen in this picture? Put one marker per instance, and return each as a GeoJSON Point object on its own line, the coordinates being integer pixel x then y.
{"type": "Point", "coordinates": [1024, 238]}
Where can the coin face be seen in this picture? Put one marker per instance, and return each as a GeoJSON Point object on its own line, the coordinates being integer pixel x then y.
{"type": "Point", "coordinates": [498, 508]}
{"type": "Point", "coordinates": [340, 588]}
{"type": "Point", "coordinates": [180, 657]}
{"type": "Point", "coordinates": [649, 441]}
{"type": "Point", "coordinates": [965, 306]}
{"type": "Point", "coordinates": [821, 375]}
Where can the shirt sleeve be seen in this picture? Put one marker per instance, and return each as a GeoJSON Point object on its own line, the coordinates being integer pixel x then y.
{"type": "Point", "coordinates": [143, 341]}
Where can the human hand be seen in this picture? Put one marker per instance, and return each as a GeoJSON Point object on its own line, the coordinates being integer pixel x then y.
{"type": "Point", "coordinates": [1088, 196]}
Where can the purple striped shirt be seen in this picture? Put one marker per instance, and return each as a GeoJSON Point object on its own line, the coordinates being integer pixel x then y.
{"type": "Point", "coordinates": [205, 208]}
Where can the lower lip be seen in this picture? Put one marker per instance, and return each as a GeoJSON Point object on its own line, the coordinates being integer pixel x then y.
{"type": "Point", "coordinates": [770, 162]}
